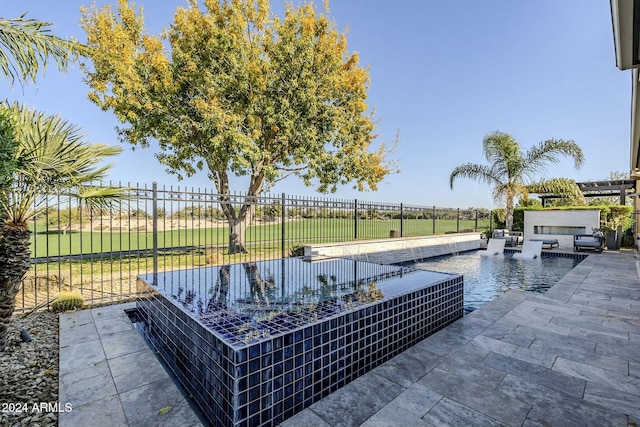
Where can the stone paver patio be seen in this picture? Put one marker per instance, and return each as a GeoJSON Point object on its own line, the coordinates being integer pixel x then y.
{"type": "Point", "coordinates": [569, 357]}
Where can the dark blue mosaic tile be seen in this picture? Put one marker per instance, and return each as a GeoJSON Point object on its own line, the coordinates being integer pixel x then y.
{"type": "Point", "coordinates": [245, 365]}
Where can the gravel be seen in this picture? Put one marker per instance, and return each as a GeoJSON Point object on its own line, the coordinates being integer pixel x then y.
{"type": "Point", "coordinates": [29, 372]}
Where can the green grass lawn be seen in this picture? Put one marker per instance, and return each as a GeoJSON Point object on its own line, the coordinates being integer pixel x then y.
{"type": "Point", "coordinates": [111, 275]}
{"type": "Point", "coordinates": [296, 232]}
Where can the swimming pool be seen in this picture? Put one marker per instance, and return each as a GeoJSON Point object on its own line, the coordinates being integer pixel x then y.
{"type": "Point", "coordinates": [487, 277]}
{"type": "Point", "coordinates": [254, 343]}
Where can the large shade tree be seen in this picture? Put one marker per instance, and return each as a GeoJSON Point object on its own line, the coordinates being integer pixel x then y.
{"type": "Point", "coordinates": [50, 156]}
{"type": "Point", "coordinates": [233, 89]}
{"type": "Point", "coordinates": [512, 172]}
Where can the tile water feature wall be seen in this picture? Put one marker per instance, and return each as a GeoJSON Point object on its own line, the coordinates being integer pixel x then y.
{"type": "Point", "coordinates": [396, 250]}
{"type": "Point", "coordinates": [256, 343]}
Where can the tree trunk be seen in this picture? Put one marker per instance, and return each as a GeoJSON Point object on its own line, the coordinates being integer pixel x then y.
{"type": "Point", "coordinates": [237, 230]}
{"type": "Point", "coordinates": [509, 211]}
{"type": "Point", "coordinates": [238, 220]}
{"type": "Point", "coordinates": [238, 225]}
{"type": "Point", "coordinates": [14, 264]}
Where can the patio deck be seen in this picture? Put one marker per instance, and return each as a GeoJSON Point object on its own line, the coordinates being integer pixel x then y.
{"type": "Point", "coordinates": [570, 356]}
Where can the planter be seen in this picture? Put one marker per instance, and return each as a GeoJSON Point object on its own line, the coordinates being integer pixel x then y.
{"type": "Point", "coordinates": [611, 239]}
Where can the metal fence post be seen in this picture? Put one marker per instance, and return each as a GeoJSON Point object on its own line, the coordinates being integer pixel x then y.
{"type": "Point", "coordinates": [313, 221]}
{"type": "Point", "coordinates": [475, 227]}
{"type": "Point", "coordinates": [433, 220]}
{"type": "Point", "coordinates": [154, 208]}
{"type": "Point", "coordinates": [282, 229]}
{"type": "Point", "coordinates": [355, 219]}
{"type": "Point", "coordinates": [458, 221]}
{"type": "Point", "coordinates": [401, 220]}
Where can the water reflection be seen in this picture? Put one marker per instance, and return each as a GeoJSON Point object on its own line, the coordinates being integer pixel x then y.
{"type": "Point", "coordinates": [250, 301]}
{"type": "Point", "coordinates": [487, 277]}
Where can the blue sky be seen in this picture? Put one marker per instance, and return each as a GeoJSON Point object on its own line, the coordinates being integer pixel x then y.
{"type": "Point", "coordinates": [443, 75]}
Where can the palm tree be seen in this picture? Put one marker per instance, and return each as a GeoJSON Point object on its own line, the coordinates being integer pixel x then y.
{"type": "Point", "coordinates": [51, 156]}
{"type": "Point", "coordinates": [510, 171]}
{"type": "Point", "coordinates": [27, 44]}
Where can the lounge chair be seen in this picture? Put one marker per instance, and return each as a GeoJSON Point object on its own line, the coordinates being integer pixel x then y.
{"type": "Point", "coordinates": [494, 247]}
{"type": "Point", "coordinates": [549, 242]}
{"type": "Point", "coordinates": [530, 250]}
{"type": "Point", "coordinates": [512, 238]}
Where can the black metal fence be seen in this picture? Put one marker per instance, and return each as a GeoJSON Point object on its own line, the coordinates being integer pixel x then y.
{"type": "Point", "coordinates": [99, 253]}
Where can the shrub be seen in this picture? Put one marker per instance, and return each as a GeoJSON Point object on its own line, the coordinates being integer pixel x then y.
{"type": "Point", "coordinates": [296, 251]}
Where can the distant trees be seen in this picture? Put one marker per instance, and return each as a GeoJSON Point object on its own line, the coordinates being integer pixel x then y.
{"type": "Point", "coordinates": [510, 171]}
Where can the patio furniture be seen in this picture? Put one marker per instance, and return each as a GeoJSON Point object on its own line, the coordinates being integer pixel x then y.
{"type": "Point", "coordinates": [512, 238]}
{"type": "Point", "coordinates": [494, 247]}
{"type": "Point", "coordinates": [530, 250]}
{"type": "Point", "coordinates": [588, 241]}
{"type": "Point", "coordinates": [548, 242]}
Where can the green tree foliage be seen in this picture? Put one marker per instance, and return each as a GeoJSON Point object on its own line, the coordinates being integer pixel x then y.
{"type": "Point", "coordinates": [27, 46]}
{"type": "Point", "coordinates": [566, 191]}
{"type": "Point", "coordinates": [616, 216]}
{"type": "Point", "coordinates": [509, 171]}
{"type": "Point", "coordinates": [7, 151]}
{"type": "Point", "coordinates": [235, 90]}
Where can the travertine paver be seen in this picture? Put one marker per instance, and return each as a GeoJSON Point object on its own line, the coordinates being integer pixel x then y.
{"type": "Point", "coordinates": [111, 377]}
{"type": "Point", "coordinates": [568, 357]}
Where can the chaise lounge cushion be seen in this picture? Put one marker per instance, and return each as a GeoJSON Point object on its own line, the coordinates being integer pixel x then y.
{"type": "Point", "coordinates": [549, 242]}
{"type": "Point", "coordinates": [588, 241]}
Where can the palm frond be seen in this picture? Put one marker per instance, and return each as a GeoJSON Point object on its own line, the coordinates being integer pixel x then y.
{"type": "Point", "coordinates": [501, 149]}
{"type": "Point", "coordinates": [7, 149]}
{"type": "Point", "coordinates": [28, 45]}
{"type": "Point", "coordinates": [102, 197]}
{"type": "Point", "coordinates": [502, 190]}
{"type": "Point", "coordinates": [53, 157]}
{"type": "Point", "coordinates": [550, 152]}
{"type": "Point", "coordinates": [480, 173]}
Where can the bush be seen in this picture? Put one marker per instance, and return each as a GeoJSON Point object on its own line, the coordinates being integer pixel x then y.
{"type": "Point", "coordinates": [296, 251]}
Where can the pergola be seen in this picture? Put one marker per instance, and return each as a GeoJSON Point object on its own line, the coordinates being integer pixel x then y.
{"type": "Point", "coordinates": [611, 187]}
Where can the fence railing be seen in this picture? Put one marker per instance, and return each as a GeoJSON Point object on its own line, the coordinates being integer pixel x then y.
{"type": "Point", "coordinates": [99, 253]}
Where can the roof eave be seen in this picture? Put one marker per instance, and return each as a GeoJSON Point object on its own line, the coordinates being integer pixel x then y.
{"type": "Point", "coordinates": [624, 30]}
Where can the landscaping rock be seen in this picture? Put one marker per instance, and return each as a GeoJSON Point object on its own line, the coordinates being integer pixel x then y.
{"type": "Point", "coordinates": [29, 372]}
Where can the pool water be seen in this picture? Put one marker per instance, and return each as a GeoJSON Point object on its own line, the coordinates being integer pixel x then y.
{"type": "Point", "coordinates": [247, 302]}
{"type": "Point", "coordinates": [486, 277]}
